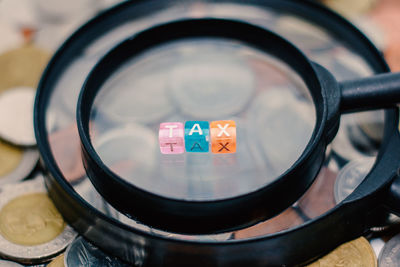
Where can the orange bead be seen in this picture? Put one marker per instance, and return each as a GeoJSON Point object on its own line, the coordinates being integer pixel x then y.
{"type": "Point", "coordinates": [223, 136]}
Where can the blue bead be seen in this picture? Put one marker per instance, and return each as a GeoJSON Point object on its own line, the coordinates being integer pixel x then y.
{"type": "Point", "coordinates": [197, 136]}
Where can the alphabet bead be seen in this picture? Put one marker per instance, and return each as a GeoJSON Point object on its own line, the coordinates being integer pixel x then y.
{"type": "Point", "coordinates": [223, 136]}
{"type": "Point", "coordinates": [171, 138]}
{"type": "Point", "coordinates": [197, 136]}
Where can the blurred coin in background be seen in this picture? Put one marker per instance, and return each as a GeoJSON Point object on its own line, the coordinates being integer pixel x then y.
{"type": "Point", "coordinates": [16, 163]}
{"type": "Point", "coordinates": [22, 67]}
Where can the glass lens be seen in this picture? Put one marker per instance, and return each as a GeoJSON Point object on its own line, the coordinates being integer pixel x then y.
{"type": "Point", "coordinates": [202, 80]}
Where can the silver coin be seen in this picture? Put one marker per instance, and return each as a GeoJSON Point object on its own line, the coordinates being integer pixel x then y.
{"type": "Point", "coordinates": [350, 176]}
{"type": "Point", "coordinates": [16, 116]}
{"type": "Point", "coordinates": [28, 162]}
{"type": "Point", "coordinates": [9, 264]}
{"type": "Point", "coordinates": [215, 84]}
{"type": "Point", "coordinates": [82, 253]}
{"type": "Point", "coordinates": [390, 254]}
{"type": "Point", "coordinates": [31, 254]}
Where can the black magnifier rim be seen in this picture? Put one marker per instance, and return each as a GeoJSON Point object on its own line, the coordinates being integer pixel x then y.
{"type": "Point", "coordinates": [192, 216]}
{"type": "Point", "coordinates": [290, 247]}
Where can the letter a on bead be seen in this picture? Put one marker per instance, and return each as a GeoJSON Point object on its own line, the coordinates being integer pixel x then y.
{"type": "Point", "coordinates": [197, 136]}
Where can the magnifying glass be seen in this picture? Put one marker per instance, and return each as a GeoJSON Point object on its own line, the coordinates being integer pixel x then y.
{"type": "Point", "coordinates": [150, 201]}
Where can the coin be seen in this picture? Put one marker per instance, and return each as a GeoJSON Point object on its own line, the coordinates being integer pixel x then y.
{"type": "Point", "coordinates": [287, 219]}
{"type": "Point", "coordinates": [211, 81]}
{"type": "Point", "coordinates": [65, 144]}
{"type": "Point", "coordinates": [16, 116]}
{"type": "Point", "coordinates": [22, 67]}
{"type": "Point", "coordinates": [57, 262]}
{"type": "Point", "coordinates": [355, 253]}
{"type": "Point", "coordinates": [319, 197]}
{"type": "Point", "coordinates": [9, 264]}
{"type": "Point", "coordinates": [350, 176]}
{"type": "Point", "coordinates": [31, 229]}
{"type": "Point", "coordinates": [390, 254]}
{"type": "Point", "coordinates": [82, 253]}
{"type": "Point", "coordinates": [16, 163]}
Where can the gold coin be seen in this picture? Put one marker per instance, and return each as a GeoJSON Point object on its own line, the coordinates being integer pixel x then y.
{"type": "Point", "coordinates": [57, 262]}
{"type": "Point", "coordinates": [30, 220]}
{"type": "Point", "coordinates": [10, 157]}
{"type": "Point", "coordinates": [357, 253]}
{"type": "Point", "coordinates": [22, 67]}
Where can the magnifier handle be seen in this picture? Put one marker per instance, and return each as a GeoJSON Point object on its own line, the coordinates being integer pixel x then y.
{"type": "Point", "coordinates": [380, 91]}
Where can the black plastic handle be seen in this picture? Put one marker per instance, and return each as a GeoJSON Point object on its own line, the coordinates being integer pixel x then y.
{"type": "Point", "coordinates": [380, 91]}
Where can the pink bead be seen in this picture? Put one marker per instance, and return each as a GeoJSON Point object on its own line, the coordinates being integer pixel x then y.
{"type": "Point", "coordinates": [171, 138]}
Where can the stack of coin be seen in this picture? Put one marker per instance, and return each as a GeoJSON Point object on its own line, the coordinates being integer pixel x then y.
{"type": "Point", "coordinates": [21, 69]}
{"type": "Point", "coordinates": [32, 231]}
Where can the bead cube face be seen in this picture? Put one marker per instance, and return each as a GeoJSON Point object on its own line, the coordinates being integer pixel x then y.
{"type": "Point", "coordinates": [197, 136]}
{"type": "Point", "coordinates": [223, 136]}
{"type": "Point", "coordinates": [171, 138]}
